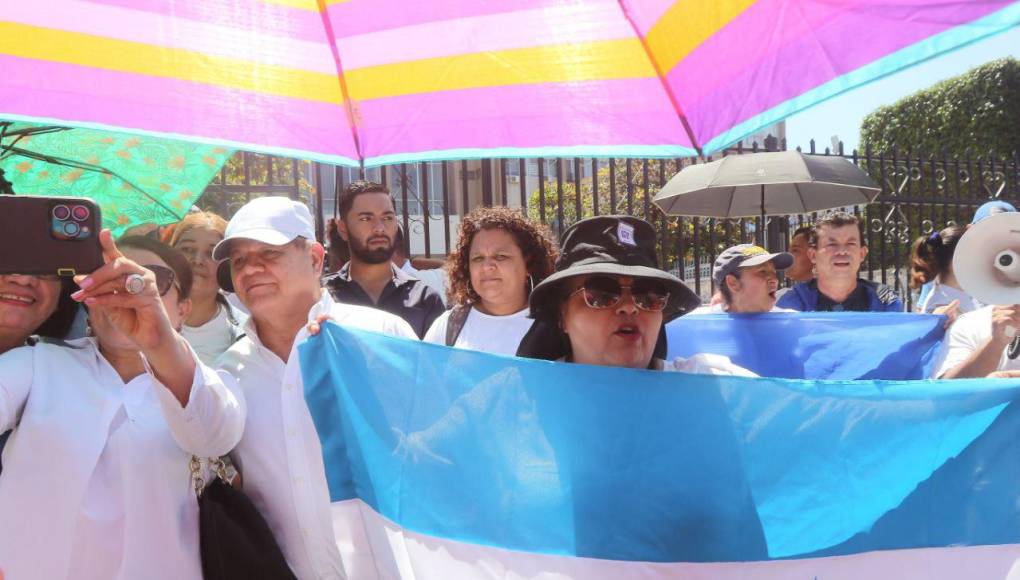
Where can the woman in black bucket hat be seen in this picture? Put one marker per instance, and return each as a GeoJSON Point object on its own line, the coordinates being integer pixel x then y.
{"type": "Point", "coordinates": [608, 301]}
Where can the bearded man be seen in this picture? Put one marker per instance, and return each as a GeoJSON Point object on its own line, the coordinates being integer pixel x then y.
{"type": "Point", "coordinates": [368, 223]}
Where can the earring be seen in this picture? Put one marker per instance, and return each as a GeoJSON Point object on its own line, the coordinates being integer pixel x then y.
{"type": "Point", "coordinates": [531, 284]}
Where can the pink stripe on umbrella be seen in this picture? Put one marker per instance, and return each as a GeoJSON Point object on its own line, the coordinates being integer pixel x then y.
{"type": "Point", "coordinates": [645, 13]}
{"type": "Point", "coordinates": [596, 113]}
{"type": "Point", "coordinates": [588, 22]}
{"type": "Point", "coordinates": [79, 94]}
{"type": "Point", "coordinates": [148, 28]}
{"type": "Point", "coordinates": [270, 18]}
{"type": "Point", "coordinates": [804, 49]}
{"type": "Point", "coordinates": [362, 17]}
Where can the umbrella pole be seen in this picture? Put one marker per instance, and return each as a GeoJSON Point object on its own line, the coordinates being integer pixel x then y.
{"type": "Point", "coordinates": [763, 234]}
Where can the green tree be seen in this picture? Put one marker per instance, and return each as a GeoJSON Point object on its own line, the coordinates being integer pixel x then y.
{"type": "Point", "coordinates": [978, 111]}
{"type": "Point", "coordinates": [972, 118]}
{"type": "Point", "coordinates": [632, 201]}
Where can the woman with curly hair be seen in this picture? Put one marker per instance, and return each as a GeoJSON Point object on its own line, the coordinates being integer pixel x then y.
{"type": "Point", "coordinates": [500, 256]}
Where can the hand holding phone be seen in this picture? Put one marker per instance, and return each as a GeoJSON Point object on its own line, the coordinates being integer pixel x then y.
{"type": "Point", "coordinates": [45, 236]}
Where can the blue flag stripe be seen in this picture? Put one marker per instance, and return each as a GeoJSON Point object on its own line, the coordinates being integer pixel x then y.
{"type": "Point", "coordinates": [663, 467]}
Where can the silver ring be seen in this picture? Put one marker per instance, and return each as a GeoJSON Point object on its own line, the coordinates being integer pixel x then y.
{"type": "Point", "coordinates": [134, 284]}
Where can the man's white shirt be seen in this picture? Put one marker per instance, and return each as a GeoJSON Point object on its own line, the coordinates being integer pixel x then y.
{"type": "Point", "coordinates": [280, 457]}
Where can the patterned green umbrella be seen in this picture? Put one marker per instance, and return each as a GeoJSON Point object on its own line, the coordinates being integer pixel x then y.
{"type": "Point", "coordinates": [134, 179]}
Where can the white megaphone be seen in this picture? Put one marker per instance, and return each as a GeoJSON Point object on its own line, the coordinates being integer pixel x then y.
{"type": "Point", "coordinates": [987, 261]}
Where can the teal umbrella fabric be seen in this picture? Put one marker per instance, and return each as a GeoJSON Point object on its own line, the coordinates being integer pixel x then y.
{"type": "Point", "coordinates": [134, 179]}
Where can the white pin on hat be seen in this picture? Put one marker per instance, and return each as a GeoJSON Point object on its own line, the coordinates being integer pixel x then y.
{"type": "Point", "coordinates": [625, 233]}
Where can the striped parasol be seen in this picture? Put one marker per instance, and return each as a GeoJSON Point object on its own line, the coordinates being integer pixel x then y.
{"type": "Point", "coordinates": [386, 81]}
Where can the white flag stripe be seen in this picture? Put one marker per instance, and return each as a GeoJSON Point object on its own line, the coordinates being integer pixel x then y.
{"type": "Point", "coordinates": [375, 548]}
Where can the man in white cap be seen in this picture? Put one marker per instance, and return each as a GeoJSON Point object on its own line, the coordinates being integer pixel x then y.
{"type": "Point", "coordinates": [746, 276]}
{"type": "Point", "coordinates": [271, 259]}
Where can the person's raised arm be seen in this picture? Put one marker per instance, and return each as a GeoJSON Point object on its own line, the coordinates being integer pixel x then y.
{"type": "Point", "coordinates": [984, 356]}
{"type": "Point", "coordinates": [139, 315]}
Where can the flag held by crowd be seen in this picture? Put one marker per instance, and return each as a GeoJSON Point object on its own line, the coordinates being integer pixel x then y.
{"type": "Point", "coordinates": [816, 345]}
{"type": "Point", "coordinates": [446, 463]}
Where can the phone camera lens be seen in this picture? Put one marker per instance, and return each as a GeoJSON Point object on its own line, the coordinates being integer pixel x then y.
{"type": "Point", "coordinates": [61, 212]}
{"type": "Point", "coordinates": [71, 229]}
{"type": "Point", "coordinates": [80, 213]}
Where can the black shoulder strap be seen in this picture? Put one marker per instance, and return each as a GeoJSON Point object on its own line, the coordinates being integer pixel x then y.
{"type": "Point", "coordinates": [458, 316]}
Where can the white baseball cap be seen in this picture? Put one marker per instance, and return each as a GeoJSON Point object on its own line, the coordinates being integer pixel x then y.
{"type": "Point", "coordinates": [270, 220]}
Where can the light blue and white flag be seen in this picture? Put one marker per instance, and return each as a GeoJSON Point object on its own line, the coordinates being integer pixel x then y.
{"type": "Point", "coordinates": [816, 345]}
{"type": "Point", "coordinates": [449, 464]}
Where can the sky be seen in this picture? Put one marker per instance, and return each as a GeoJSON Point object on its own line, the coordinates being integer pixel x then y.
{"type": "Point", "coordinates": [843, 114]}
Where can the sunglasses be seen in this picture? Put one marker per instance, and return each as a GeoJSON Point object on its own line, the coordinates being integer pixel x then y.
{"type": "Point", "coordinates": [165, 277]}
{"type": "Point", "coordinates": [601, 292]}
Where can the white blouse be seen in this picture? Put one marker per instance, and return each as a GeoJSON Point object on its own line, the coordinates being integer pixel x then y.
{"type": "Point", "coordinates": [95, 481]}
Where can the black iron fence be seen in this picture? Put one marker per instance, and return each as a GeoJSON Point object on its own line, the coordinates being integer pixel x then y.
{"type": "Point", "coordinates": [920, 192]}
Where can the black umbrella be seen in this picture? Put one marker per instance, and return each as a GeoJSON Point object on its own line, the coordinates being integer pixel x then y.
{"type": "Point", "coordinates": [762, 184]}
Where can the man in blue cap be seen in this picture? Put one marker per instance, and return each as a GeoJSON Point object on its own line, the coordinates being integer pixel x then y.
{"type": "Point", "coordinates": [746, 276]}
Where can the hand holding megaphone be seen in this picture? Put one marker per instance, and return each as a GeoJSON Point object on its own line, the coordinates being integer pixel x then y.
{"type": "Point", "coordinates": [987, 260]}
{"type": "Point", "coordinates": [987, 266]}
{"type": "Point", "coordinates": [1005, 322]}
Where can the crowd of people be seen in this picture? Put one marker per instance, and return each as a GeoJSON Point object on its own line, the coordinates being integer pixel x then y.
{"type": "Point", "coordinates": [190, 351]}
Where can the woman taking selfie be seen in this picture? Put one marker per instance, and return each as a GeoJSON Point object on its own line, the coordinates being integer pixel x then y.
{"type": "Point", "coordinates": [500, 256]}
{"type": "Point", "coordinates": [213, 325]}
{"type": "Point", "coordinates": [96, 481]}
{"type": "Point", "coordinates": [34, 305]}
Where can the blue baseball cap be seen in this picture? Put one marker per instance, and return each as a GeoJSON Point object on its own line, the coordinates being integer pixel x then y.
{"type": "Point", "coordinates": [991, 208]}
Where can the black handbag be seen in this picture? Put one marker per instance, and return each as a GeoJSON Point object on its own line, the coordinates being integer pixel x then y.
{"type": "Point", "coordinates": [234, 539]}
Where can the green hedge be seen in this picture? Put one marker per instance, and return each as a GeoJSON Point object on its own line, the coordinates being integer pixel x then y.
{"type": "Point", "coordinates": [979, 109]}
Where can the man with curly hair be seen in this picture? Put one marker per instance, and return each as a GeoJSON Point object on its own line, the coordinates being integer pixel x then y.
{"type": "Point", "coordinates": [368, 223]}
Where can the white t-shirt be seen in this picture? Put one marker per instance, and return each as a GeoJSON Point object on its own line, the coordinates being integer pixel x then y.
{"type": "Point", "coordinates": [942, 295]}
{"type": "Point", "coordinates": [721, 309]}
{"type": "Point", "coordinates": [215, 336]}
{"type": "Point", "coordinates": [965, 336]}
{"type": "Point", "coordinates": [484, 332]}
